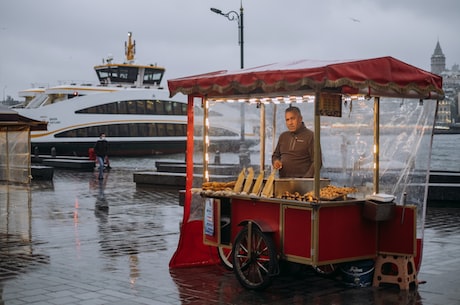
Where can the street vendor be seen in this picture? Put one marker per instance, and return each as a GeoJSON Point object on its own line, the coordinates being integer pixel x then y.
{"type": "Point", "coordinates": [294, 153]}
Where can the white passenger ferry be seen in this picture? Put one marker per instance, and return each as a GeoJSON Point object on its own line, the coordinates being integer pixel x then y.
{"type": "Point", "coordinates": [127, 104]}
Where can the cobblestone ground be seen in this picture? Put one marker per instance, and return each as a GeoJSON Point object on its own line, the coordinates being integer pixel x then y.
{"type": "Point", "coordinates": [59, 245]}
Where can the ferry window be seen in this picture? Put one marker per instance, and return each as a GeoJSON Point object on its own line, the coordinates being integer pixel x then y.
{"type": "Point", "coordinates": [113, 131]}
{"type": "Point", "coordinates": [103, 109]}
{"type": "Point", "coordinates": [113, 74]}
{"type": "Point", "coordinates": [92, 131]}
{"type": "Point", "coordinates": [112, 108]}
{"type": "Point", "coordinates": [179, 108]}
{"type": "Point", "coordinates": [140, 107]}
{"type": "Point", "coordinates": [142, 130]}
{"type": "Point", "coordinates": [123, 130]}
{"type": "Point", "coordinates": [88, 110]}
{"type": "Point", "coordinates": [109, 73]}
{"type": "Point", "coordinates": [159, 107]}
{"type": "Point", "coordinates": [72, 133]}
{"type": "Point", "coordinates": [75, 94]}
{"type": "Point", "coordinates": [102, 129]}
{"type": "Point", "coordinates": [181, 130]}
{"type": "Point", "coordinates": [131, 107]}
{"type": "Point", "coordinates": [152, 130]}
{"type": "Point", "coordinates": [132, 73]}
{"type": "Point", "coordinates": [149, 107]}
{"type": "Point", "coordinates": [122, 108]}
{"type": "Point", "coordinates": [170, 131]}
{"type": "Point", "coordinates": [102, 74]}
{"type": "Point", "coordinates": [127, 130]}
{"type": "Point", "coordinates": [174, 108]}
{"type": "Point", "coordinates": [168, 107]}
{"type": "Point", "coordinates": [69, 134]}
{"type": "Point", "coordinates": [123, 73]}
{"type": "Point", "coordinates": [132, 129]}
{"type": "Point", "coordinates": [161, 129]}
{"type": "Point", "coordinates": [82, 132]}
{"type": "Point", "coordinates": [153, 76]}
{"type": "Point", "coordinates": [50, 100]}
{"type": "Point", "coordinates": [184, 108]}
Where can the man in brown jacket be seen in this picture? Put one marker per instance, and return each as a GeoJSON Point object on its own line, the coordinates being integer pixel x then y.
{"type": "Point", "coordinates": [293, 155]}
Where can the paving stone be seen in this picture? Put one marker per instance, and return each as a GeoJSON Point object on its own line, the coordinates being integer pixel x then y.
{"type": "Point", "coordinates": [58, 246]}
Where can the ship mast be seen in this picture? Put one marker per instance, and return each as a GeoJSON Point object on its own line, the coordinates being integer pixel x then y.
{"type": "Point", "coordinates": [130, 49]}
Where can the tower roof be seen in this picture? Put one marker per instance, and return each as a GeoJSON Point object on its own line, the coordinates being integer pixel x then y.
{"type": "Point", "coordinates": [438, 50]}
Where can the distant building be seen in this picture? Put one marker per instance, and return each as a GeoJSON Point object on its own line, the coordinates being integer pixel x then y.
{"type": "Point", "coordinates": [448, 109]}
{"type": "Point", "coordinates": [438, 60]}
{"type": "Point", "coordinates": [9, 101]}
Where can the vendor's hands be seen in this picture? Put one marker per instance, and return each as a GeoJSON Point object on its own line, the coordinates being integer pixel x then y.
{"type": "Point", "coordinates": [277, 164]}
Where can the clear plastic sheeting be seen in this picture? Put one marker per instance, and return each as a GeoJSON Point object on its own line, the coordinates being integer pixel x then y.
{"type": "Point", "coordinates": [347, 145]}
{"type": "Point", "coordinates": [15, 214]}
{"type": "Point", "coordinates": [15, 159]}
{"type": "Point", "coordinates": [406, 127]}
{"type": "Point", "coordinates": [233, 130]}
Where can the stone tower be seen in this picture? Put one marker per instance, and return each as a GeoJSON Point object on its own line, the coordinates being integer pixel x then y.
{"type": "Point", "coordinates": [438, 60]}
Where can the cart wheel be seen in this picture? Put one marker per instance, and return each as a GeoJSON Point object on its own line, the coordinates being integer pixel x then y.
{"type": "Point", "coordinates": [225, 255]}
{"type": "Point", "coordinates": [326, 270]}
{"type": "Point", "coordinates": [254, 258]}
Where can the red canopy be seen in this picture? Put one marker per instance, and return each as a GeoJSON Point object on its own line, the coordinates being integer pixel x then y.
{"type": "Point", "coordinates": [384, 76]}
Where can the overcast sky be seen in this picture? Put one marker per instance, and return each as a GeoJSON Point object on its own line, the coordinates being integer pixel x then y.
{"type": "Point", "coordinates": [47, 41]}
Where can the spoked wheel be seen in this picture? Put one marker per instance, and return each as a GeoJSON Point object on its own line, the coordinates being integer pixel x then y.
{"type": "Point", "coordinates": [254, 258]}
{"type": "Point", "coordinates": [225, 255]}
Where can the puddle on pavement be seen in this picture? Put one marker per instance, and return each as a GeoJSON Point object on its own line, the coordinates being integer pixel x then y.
{"type": "Point", "coordinates": [17, 256]}
{"type": "Point", "coordinates": [17, 253]}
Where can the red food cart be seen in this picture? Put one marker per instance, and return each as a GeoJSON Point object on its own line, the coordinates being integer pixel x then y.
{"type": "Point", "coordinates": [373, 121]}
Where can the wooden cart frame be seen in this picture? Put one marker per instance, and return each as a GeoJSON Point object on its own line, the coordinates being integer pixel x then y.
{"type": "Point", "coordinates": [316, 234]}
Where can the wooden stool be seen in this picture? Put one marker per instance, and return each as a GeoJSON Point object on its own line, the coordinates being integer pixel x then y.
{"type": "Point", "coordinates": [394, 269]}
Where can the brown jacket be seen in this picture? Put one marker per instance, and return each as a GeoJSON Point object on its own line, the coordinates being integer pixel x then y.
{"type": "Point", "coordinates": [296, 151]}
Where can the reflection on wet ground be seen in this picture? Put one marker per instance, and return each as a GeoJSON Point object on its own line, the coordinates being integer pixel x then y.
{"type": "Point", "coordinates": [79, 240]}
{"type": "Point", "coordinates": [17, 256]}
{"type": "Point", "coordinates": [220, 287]}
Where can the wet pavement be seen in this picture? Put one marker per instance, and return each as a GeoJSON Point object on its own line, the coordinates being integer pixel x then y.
{"type": "Point", "coordinates": [60, 245]}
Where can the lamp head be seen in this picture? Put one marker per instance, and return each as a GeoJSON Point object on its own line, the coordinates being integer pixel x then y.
{"type": "Point", "coordinates": [217, 11]}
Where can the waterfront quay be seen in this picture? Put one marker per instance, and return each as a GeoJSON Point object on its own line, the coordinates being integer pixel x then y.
{"type": "Point", "coordinates": [80, 240]}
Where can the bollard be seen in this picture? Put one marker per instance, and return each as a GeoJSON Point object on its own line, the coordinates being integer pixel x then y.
{"type": "Point", "coordinates": [217, 157]}
{"type": "Point", "coordinates": [245, 157]}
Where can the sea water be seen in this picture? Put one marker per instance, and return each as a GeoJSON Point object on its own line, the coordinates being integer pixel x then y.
{"type": "Point", "coordinates": [444, 156]}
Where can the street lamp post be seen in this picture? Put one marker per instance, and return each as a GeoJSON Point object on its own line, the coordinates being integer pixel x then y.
{"type": "Point", "coordinates": [233, 15]}
{"type": "Point", "coordinates": [4, 89]}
